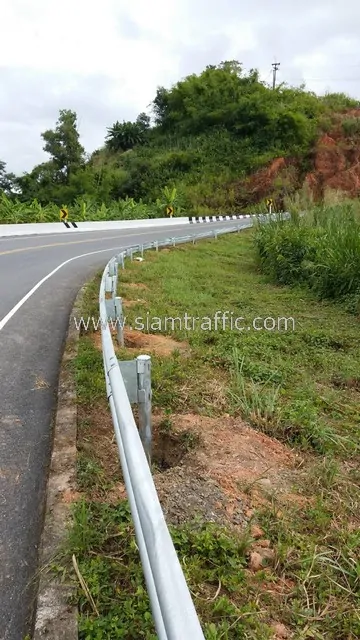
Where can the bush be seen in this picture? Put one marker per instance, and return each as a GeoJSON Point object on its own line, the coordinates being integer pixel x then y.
{"type": "Point", "coordinates": [285, 249]}
{"type": "Point", "coordinates": [351, 126]}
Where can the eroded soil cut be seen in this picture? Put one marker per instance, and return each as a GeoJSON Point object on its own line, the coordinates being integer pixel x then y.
{"type": "Point", "coordinates": [240, 467]}
{"type": "Point", "coordinates": [149, 343]}
{"type": "Point", "coordinates": [217, 469]}
{"type": "Point", "coordinates": [157, 344]}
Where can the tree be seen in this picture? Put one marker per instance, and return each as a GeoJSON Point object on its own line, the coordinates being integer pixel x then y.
{"type": "Point", "coordinates": [224, 97]}
{"type": "Point", "coordinates": [7, 180]}
{"type": "Point", "coordinates": [202, 101]}
{"type": "Point", "coordinates": [161, 105]}
{"type": "Point", "coordinates": [143, 121]}
{"type": "Point", "coordinates": [39, 183]}
{"type": "Point", "coordinates": [126, 135]}
{"type": "Point", "coordinates": [63, 145]}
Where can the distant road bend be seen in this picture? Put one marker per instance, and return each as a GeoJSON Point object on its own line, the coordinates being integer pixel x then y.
{"type": "Point", "coordinates": [39, 280]}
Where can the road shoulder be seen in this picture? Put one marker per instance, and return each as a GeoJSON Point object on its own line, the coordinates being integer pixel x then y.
{"type": "Point", "coordinates": [55, 617]}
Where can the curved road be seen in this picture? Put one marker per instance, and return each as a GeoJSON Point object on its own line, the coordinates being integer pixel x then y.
{"type": "Point", "coordinates": [32, 334]}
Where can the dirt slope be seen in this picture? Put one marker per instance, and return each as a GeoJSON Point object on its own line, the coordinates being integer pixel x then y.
{"type": "Point", "coordinates": [335, 166]}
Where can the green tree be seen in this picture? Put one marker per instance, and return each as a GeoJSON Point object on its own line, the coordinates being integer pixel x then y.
{"type": "Point", "coordinates": [209, 99]}
{"type": "Point", "coordinates": [7, 180]}
{"type": "Point", "coordinates": [126, 135]}
{"type": "Point", "coordinates": [143, 121]}
{"type": "Point", "coordinates": [39, 183]}
{"type": "Point", "coordinates": [63, 145]}
{"type": "Point", "coordinates": [225, 97]}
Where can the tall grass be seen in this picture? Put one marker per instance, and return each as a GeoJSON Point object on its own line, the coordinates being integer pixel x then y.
{"type": "Point", "coordinates": [320, 249]}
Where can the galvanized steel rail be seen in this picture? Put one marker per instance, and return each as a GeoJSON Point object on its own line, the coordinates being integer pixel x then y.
{"type": "Point", "coordinates": [172, 607]}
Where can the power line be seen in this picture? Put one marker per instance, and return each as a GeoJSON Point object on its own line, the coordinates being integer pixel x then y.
{"type": "Point", "coordinates": [275, 66]}
{"type": "Point", "coordinates": [291, 67]}
{"type": "Point", "coordinates": [303, 79]}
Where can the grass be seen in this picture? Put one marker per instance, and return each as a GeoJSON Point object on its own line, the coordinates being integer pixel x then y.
{"type": "Point", "coordinates": [320, 250]}
{"type": "Point", "coordinates": [103, 537]}
{"type": "Point", "coordinates": [300, 386]}
{"type": "Point", "coordinates": [297, 385]}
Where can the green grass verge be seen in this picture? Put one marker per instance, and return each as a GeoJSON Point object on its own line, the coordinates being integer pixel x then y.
{"type": "Point", "coordinates": [103, 539]}
{"type": "Point", "coordinates": [299, 386]}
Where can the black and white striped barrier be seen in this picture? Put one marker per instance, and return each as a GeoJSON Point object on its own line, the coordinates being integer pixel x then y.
{"type": "Point", "coordinates": [236, 216]}
{"type": "Point", "coordinates": [68, 225]}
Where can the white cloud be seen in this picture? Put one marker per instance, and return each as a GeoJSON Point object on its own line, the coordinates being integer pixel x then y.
{"type": "Point", "coordinates": [105, 59]}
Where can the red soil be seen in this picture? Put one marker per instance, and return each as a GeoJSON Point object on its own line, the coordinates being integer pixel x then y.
{"type": "Point", "coordinates": [336, 166]}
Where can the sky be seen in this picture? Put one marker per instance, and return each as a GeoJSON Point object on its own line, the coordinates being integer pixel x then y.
{"type": "Point", "coordinates": [105, 59]}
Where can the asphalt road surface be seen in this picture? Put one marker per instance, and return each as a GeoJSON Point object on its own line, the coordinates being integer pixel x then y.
{"type": "Point", "coordinates": [32, 334]}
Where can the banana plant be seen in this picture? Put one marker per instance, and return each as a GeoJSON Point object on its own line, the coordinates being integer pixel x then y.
{"type": "Point", "coordinates": [12, 212]}
{"type": "Point", "coordinates": [102, 212]}
{"type": "Point", "coordinates": [169, 198]}
{"type": "Point", "coordinates": [38, 212]}
{"type": "Point", "coordinates": [170, 195]}
{"type": "Point", "coordinates": [83, 210]}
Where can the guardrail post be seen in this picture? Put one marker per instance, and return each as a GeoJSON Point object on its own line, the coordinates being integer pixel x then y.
{"type": "Point", "coordinates": [110, 288]}
{"type": "Point", "coordinates": [120, 259]}
{"type": "Point", "coordinates": [112, 267]}
{"type": "Point", "coordinates": [142, 250]}
{"type": "Point", "coordinates": [119, 320]}
{"type": "Point", "coordinates": [143, 366]}
{"type": "Point", "coordinates": [109, 283]}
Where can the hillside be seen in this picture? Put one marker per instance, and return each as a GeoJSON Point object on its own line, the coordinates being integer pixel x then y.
{"type": "Point", "coordinates": [333, 167]}
{"type": "Point", "coordinates": [218, 141]}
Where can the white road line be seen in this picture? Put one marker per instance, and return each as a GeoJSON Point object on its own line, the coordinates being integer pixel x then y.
{"type": "Point", "coordinates": [18, 306]}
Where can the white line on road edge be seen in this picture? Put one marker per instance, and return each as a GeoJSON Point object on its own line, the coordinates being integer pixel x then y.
{"type": "Point", "coordinates": [18, 306]}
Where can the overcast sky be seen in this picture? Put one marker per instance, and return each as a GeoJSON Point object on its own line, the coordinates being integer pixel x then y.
{"type": "Point", "coordinates": [105, 58]}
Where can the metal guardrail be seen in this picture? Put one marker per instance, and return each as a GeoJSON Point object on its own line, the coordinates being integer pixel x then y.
{"type": "Point", "coordinates": [172, 607]}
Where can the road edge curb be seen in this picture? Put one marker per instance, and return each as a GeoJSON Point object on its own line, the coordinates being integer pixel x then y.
{"type": "Point", "coordinates": [55, 618]}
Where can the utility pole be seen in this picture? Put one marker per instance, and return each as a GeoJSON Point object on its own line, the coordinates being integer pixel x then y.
{"type": "Point", "coordinates": [275, 66]}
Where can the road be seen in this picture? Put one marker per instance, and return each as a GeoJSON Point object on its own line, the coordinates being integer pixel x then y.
{"type": "Point", "coordinates": [32, 334]}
